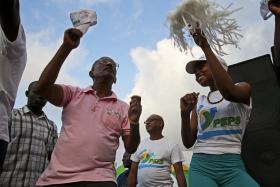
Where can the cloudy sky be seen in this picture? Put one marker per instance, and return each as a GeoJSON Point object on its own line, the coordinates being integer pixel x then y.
{"type": "Point", "coordinates": [134, 33]}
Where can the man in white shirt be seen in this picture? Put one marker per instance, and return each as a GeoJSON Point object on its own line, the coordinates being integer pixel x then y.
{"type": "Point", "coordinates": [151, 163]}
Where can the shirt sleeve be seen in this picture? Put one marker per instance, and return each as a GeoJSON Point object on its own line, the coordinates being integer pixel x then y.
{"type": "Point", "coordinates": [125, 122]}
{"type": "Point", "coordinates": [136, 157]}
{"type": "Point", "coordinates": [68, 94]}
{"type": "Point", "coordinates": [176, 154]}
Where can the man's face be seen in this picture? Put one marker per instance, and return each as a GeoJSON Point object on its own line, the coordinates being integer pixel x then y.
{"type": "Point", "coordinates": [154, 123]}
{"type": "Point", "coordinates": [106, 69]}
{"type": "Point", "coordinates": [34, 100]}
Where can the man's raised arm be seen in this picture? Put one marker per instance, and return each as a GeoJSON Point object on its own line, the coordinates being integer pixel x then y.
{"type": "Point", "coordinates": [45, 86]}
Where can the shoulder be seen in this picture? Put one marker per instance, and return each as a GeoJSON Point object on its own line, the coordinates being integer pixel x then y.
{"type": "Point", "coordinates": [143, 143]}
{"type": "Point", "coordinates": [122, 107]}
{"type": "Point", "coordinates": [170, 142]}
{"type": "Point", "coordinates": [17, 112]}
{"type": "Point", "coordinates": [51, 123]}
{"type": "Point", "coordinates": [71, 88]}
{"type": "Point", "coordinates": [122, 104]}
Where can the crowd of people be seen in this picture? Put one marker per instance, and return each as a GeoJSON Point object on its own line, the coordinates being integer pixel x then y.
{"type": "Point", "coordinates": [94, 119]}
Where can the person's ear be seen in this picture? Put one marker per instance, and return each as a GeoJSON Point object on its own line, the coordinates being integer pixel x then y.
{"type": "Point", "coordinates": [161, 125]}
{"type": "Point", "coordinates": [91, 74]}
{"type": "Point", "coordinates": [26, 93]}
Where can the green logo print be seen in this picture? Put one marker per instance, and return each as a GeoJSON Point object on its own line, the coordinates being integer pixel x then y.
{"type": "Point", "coordinates": [208, 116]}
{"type": "Point", "coordinates": [227, 121]}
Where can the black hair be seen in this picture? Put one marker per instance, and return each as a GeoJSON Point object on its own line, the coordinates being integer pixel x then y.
{"type": "Point", "coordinates": [102, 59]}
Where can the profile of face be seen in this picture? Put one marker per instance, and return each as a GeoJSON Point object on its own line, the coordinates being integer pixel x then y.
{"type": "Point", "coordinates": [203, 74]}
{"type": "Point", "coordinates": [104, 67]}
{"type": "Point", "coordinates": [126, 160]}
{"type": "Point", "coordinates": [154, 123]}
{"type": "Point", "coordinates": [34, 100]}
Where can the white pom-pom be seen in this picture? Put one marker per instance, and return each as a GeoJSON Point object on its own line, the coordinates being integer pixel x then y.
{"type": "Point", "coordinates": [214, 20]}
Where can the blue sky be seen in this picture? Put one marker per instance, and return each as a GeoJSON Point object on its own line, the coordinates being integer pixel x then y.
{"type": "Point", "coordinates": [133, 32]}
{"type": "Point", "coordinates": [122, 25]}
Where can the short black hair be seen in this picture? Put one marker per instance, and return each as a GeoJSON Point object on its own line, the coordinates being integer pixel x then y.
{"type": "Point", "coordinates": [102, 59]}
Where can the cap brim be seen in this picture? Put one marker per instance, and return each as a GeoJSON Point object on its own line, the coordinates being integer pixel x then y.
{"type": "Point", "coordinates": [190, 67]}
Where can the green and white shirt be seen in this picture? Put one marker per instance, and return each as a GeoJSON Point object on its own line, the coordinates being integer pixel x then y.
{"type": "Point", "coordinates": [155, 158]}
{"type": "Point", "coordinates": [220, 126]}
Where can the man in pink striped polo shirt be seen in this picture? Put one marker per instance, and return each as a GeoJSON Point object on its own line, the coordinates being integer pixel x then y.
{"type": "Point", "coordinates": [93, 119]}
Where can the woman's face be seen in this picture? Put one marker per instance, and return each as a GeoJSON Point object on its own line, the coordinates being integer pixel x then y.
{"type": "Point", "coordinates": [203, 74]}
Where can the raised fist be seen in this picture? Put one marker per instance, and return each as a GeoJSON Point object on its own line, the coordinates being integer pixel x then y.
{"type": "Point", "coordinates": [188, 102]}
{"type": "Point", "coordinates": [135, 109]}
{"type": "Point", "coordinates": [72, 38]}
{"type": "Point", "coordinates": [199, 37]}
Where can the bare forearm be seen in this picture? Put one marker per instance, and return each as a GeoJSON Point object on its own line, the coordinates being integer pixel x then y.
{"type": "Point", "coordinates": [187, 135]}
{"type": "Point", "coordinates": [222, 79]}
{"type": "Point", "coordinates": [50, 73]}
{"type": "Point", "coordinates": [131, 180]}
{"type": "Point", "coordinates": [181, 180]}
{"type": "Point", "coordinates": [9, 18]}
{"type": "Point", "coordinates": [133, 139]}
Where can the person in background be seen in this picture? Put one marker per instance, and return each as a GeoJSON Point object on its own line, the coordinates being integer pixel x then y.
{"type": "Point", "coordinates": [151, 163]}
{"type": "Point", "coordinates": [32, 139]}
{"type": "Point", "coordinates": [12, 63]}
{"type": "Point", "coordinates": [122, 178]}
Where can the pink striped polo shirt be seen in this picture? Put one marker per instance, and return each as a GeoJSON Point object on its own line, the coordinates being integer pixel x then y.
{"type": "Point", "coordinates": [86, 147]}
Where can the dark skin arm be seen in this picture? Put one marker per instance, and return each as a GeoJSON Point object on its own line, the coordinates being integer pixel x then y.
{"type": "Point", "coordinates": [45, 86]}
{"type": "Point", "coordinates": [132, 177]}
{"type": "Point", "coordinates": [132, 140]}
{"type": "Point", "coordinates": [274, 7]}
{"type": "Point", "coordinates": [236, 93]}
{"type": "Point", "coordinates": [181, 180]}
{"type": "Point", "coordinates": [188, 124]}
{"type": "Point", "coordinates": [10, 18]}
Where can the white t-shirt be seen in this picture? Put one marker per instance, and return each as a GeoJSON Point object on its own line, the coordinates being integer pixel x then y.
{"type": "Point", "coordinates": [155, 158]}
{"type": "Point", "coordinates": [220, 126]}
{"type": "Point", "coordinates": [12, 63]}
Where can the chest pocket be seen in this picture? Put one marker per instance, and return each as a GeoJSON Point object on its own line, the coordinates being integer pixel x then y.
{"type": "Point", "coordinates": [111, 119]}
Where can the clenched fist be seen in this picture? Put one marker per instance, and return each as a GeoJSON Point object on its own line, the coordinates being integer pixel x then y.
{"type": "Point", "coordinates": [72, 38]}
{"type": "Point", "coordinates": [188, 102]}
{"type": "Point", "coordinates": [199, 37]}
{"type": "Point", "coordinates": [135, 109]}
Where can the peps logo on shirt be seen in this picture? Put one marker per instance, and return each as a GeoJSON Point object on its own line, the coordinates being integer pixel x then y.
{"type": "Point", "coordinates": [226, 125]}
{"type": "Point", "coordinates": [207, 116]}
{"type": "Point", "coordinates": [148, 160]}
